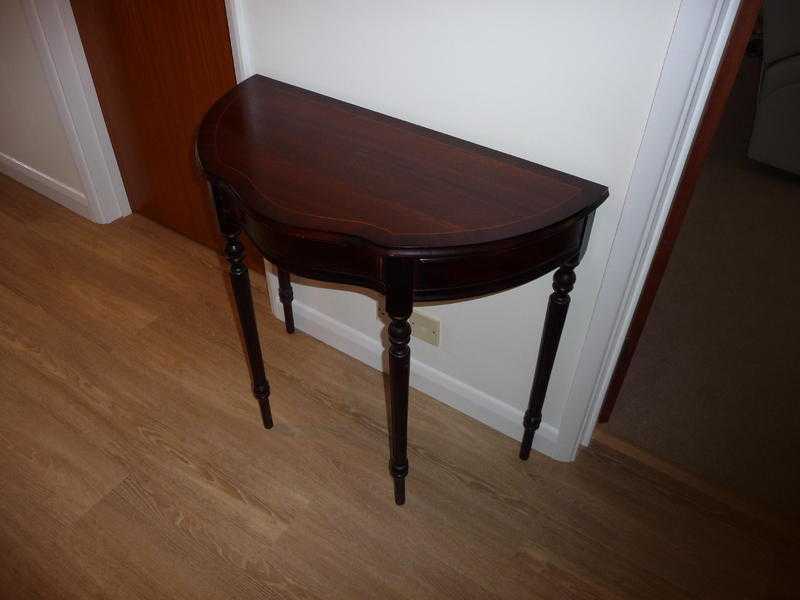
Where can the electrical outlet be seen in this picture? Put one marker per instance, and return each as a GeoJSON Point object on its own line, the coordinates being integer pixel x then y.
{"type": "Point", "coordinates": [423, 326]}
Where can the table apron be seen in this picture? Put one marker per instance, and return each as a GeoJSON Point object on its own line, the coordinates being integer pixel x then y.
{"type": "Point", "coordinates": [494, 271]}
{"type": "Point", "coordinates": [319, 256]}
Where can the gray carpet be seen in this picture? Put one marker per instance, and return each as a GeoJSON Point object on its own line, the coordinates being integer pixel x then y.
{"type": "Point", "coordinates": [715, 382]}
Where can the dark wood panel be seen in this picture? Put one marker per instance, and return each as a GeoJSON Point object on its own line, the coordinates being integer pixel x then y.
{"type": "Point", "coordinates": [314, 162]}
{"type": "Point", "coordinates": [464, 276]}
{"type": "Point", "coordinates": [718, 98]}
{"type": "Point", "coordinates": [158, 66]}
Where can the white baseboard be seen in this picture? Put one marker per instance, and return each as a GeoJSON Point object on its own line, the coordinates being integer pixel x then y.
{"type": "Point", "coordinates": [44, 184]}
{"type": "Point", "coordinates": [455, 393]}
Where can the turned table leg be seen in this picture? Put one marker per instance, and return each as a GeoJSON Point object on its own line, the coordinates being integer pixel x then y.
{"type": "Point", "coordinates": [399, 365]}
{"type": "Point", "coordinates": [563, 281]}
{"type": "Point", "coordinates": [240, 280]}
{"type": "Point", "coordinates": [243, 294]}
{"type": "Point", "coordinates": [286, 296]}
{"type": "Point", "coordinates": [399, 304]}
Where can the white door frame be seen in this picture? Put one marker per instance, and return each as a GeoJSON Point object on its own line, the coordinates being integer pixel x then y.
{"type": "Point", "coordinates": [55, 35]}
{"type": "Point", "coordinates": [695, 50]}
{"type": "Point", "coordinates": [236, 28]}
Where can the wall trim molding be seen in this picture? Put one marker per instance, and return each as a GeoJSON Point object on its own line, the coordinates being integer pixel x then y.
{"type": "Point", "coordinates": [442, 387]}
{"type": "Point", "coordinates": [55, 35]}
{"type": "Point", "coordinates": [65, 195]}
{"type": "Point", "coordinates": [695, 50]}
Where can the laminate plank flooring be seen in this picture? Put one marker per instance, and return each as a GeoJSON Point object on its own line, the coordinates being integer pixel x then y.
{"type": "Point", "coordinates": [133, 463]}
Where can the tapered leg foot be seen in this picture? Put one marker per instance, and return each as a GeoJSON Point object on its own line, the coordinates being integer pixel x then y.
{"type": "Point", "coordinates": [262, 396]}
{"type": "Point", "coordinates": [563, 282]}
{"type": "Point", "coordinates": [286, 295]}
{"type": "Point", "coordinates": [399, 473]}
{"type": "Point", "coordinates": [527, 442]}
{"type": "Point", "coordinates": [399, 364]}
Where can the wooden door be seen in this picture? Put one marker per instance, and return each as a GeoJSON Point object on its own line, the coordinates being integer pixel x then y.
{"type": "Point", "coordinates": [158, 66]}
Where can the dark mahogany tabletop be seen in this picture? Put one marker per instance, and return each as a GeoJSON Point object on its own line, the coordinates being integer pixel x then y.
{"type": "Point", "coordinates": [309, 161]}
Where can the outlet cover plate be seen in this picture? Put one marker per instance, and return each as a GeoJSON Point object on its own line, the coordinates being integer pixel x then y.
{"type": "Point", "coordinates": [423, 327]}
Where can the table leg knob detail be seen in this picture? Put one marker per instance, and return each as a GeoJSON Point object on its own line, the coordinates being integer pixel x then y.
{"type": "Point", "coordinates": [399, 336]}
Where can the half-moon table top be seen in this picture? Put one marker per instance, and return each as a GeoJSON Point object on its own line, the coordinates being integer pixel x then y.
{"type": "Point", "coordinates": [308, 161]}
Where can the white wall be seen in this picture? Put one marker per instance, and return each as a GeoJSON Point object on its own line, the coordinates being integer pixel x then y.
{"type": "Point", "coordinates": [53, 137]}
{"type": "Point", "coordinates": [567, 84]}
{"type": "Point", "coordinates": [30, 129]}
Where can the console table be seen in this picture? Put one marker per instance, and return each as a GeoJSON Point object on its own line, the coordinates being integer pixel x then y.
{"type": "Point", "coordinates": [338, 193]}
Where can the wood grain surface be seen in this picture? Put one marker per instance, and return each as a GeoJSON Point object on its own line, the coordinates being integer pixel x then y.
{"type": "Point", "coordinates": [134, 464]}
{"type": "Point", "coordinates": [303, 159]}
{"type": "Point", "coordinates": [158, 67]}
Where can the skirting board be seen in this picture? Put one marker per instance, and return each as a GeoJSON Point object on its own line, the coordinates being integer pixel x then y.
{"type": "Point", "coordinates": [65, 195]}
{"type": "Point", "coordinates": [442, 387]}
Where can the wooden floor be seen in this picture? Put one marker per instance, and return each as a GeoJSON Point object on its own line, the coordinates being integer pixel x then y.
{"type": "Point", "coordinates": [133, 463]}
